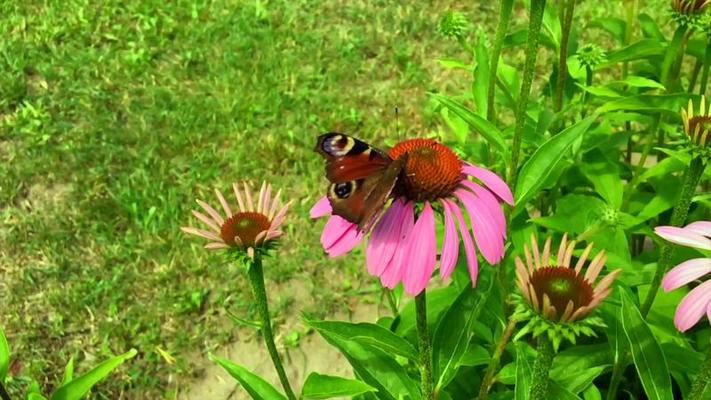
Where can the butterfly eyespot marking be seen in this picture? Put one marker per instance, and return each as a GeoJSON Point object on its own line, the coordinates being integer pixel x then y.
{"type": "Point", "coordinates": [338, 145]}
{"type": "Point", "coordinates": [343, 190]}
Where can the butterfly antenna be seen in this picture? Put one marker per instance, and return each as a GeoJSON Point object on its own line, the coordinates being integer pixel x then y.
{"type": "Point", "coordinates": [397, 122]}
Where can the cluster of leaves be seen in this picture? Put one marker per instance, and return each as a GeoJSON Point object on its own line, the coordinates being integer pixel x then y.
{"type": "Point", "coordinates": [604, 162]}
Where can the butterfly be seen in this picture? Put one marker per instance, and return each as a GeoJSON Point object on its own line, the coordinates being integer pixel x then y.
{"type": "Point", "coordinates": [362, 177]}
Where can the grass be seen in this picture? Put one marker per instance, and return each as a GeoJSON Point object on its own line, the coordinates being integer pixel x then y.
{"type": "Point", "coordinates": [115, 117]}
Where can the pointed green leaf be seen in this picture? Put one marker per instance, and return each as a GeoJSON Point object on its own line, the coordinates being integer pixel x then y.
{"type": "Point", "coordinates": [68, 371]}
{"type": "Point", "coordinates": [646, 352]}
{"type": "Point", "coordinates": [481, 75]}
{"type": "Point", "coordinates": [524, 372]}
{"type": "Point", "coordinates": [77, 388]}
{"type": "Point", "coordinates": [4, 356]}
{"type": "Point", "coordinates": [255, 385]}
{"type": "Point", "coordinates": [669, 104]}
{"type": "Point", "coordinates": [544, 160]}
{"type": "Point", "coordinates": [319, 386]}
{"type": "Point", "coordinates": [485, 128]}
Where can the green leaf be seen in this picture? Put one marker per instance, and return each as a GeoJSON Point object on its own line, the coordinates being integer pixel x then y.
{"type": "Point", "coordinates": [367, 333]}
{"type": "Point", "coordinates": [255, 385]}
{"type": "Point", "coordinates": [455, 64]}
{"type": "Point", "coordinates": [481, 75]}
{"type": "Point", "coordinates": [650, 27]}
{"type": "Point", "coordinates": [669, 104]}
{"type": "Point", "coordinates": [4, 356]}
{"type": "Point", "coordinates": [544, 160]}
{"type": "Point", "coordinates": [642, 82]}
{"type": "Point", "coordinates": [646, 351]}
{"type": "Point", "coordinates": [612, 25]}
{"type": "Point", "coordinates": [524, 372]}
{"type": "Point", "coordinates": [80, 386]}
{"type": "Point", "coordinates": [35, 396]}
{"type": "Point", "coordinates": [485, 128]}
{"type": "Point", "coordinates": [558, 392]}
{"type": "Point", "coordinates": [453, 333]}
{"type": "Point", "coordinates": [319, 386]}
{"type": "Point", "coordinates": [68, 371]}
{"type": "Point", "coordinates": [374, 366]}
{"type": "Point", "coordinates": [644, 48]}
{"type": "Point", "coordinates": [605, 176]}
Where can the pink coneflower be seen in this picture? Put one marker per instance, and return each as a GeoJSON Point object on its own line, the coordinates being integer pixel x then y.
{"type": "Point", "coordinates": [698, 301]}
{"type": "Point", "coordinates": [403, 242]}
{"type": "Point", "coordinates": [254, 225]}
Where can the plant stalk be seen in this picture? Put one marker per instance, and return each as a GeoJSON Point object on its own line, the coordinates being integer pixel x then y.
{"type": "Point", "coordinates": [534, 30]}
{"type": "Point", "coordinates": [567, 22]}
{"type": "Point", "coordinates": [541, 369]}
{"type": "Point", "coordinates": [681, 209]}
{"type": "Point", "coordinates": [495, 360]}
{"type": "Point", "coordinates": [702, 379]}
{"type": "Point", "coordinates": [423, 337]}
{"type": "Point", "coordinates": [501, 28]}
{"type": "Point", "coordinates": [256, 279]}
{"type": "Point", "coordinates": [617, 371]}
{"type": "Point", "coordinates": [705, 70]}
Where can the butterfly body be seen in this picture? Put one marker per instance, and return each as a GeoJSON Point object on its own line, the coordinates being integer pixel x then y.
{"type": "Point", "coordinates": [362, 177]}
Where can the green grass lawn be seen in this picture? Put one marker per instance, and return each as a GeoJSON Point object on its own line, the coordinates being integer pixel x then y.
{"type": "Point", "coordinates": [115, 117]}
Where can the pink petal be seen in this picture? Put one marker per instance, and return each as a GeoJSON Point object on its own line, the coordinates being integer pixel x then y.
{"type": "Point", "coordinates": [421, 253]}
{"type": "Point", "coordinates": [683, 237]}
{"type": "Point", "coordinates": [340, 236]}
{"type": "Point", "coordinates": [488, 240]}
{"type": "Point", "coordinates": [321, 208]}
{"type": "Point", "coordinates": [450, 244]}
{"type": "Point", "coordinates": [202, 233]}
{"type": "Point", "coordinates": [488, 198]}
{"type": "Point", "coordinates": [693, 306]}
{"type": "Point", "coordinates": [385, 238]}
{"type": "Point", "coordinates": [686, 272]}
{"type": "Point", "coordinates": [700, 227]}
{"type": "Point", "coordinates": [392, 274]}
{"type": "Point", "coordinates": [491, 180]}
{"type": "Point", "coordinates": [469, 249]}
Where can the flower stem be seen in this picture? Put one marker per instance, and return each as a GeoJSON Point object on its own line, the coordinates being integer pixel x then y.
{"type": "Point", "coordinates": [501, 28]}
{"type": "Point", "coordinates": [495, 360]}
{"type": "Point", "coordinates": [674, 50]}
{"type": "Point", "coordinates": [681, 209]}
{"type": "Point", "coordinates": [705, 71]}
{"type": "Point", "coordinates": [567, 22]}
{"type": "Point", "coordinates": [424, 346]}
{"type": "Point", "coordinates": [617, 371]}
{"type": "Point", "coordinates": [4, 395]}
{"type": "Point", "coordinates": [702, 379]}
{"type": "Point", "coordinates": [534, 30]}
{"type": "Point", "coordinates": [391, 301]}
{"type": "Point", "coordinates": [541, 369]}
{"type": "Point", "coordinates": [256, 278]}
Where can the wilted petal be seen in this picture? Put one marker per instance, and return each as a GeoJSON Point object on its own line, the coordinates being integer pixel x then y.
{"type": "Point", "coordinates": [202, 233]}
{"type": "Point", "coordinates": [686, 272]}
{"type": "Point", "coordinates": [693, 306]}
{"type": "Point", "coordinates": [321, 208]}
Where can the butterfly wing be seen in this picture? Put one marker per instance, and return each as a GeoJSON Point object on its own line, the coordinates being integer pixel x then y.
{"type": "Point", "coordinates": [362, 177]}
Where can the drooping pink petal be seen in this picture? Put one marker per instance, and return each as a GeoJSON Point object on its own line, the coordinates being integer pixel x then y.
{"type": "Point", "coordinates": [686, 272]}
{"type": "Point", "coordinates": [321, 208]}
{"type": "Point", "coordinates": [491, 180]}
{"type": "Point", "coordinates": [392, 274]}
{"type": "Point", "coordinates": [201, 232]}
{"type": "Point", "coordinates": [693, 306]}
{"type": "Point", "coordinates": [340, 236]}
{"type": "Point", "coordinates": [487, 238]}
{"type": "Point", "coordinates": [421, 253]}
{"type": "Point", "coordinates": [385, 238]}
{"type": "Point", "coordinates": [450, 244]}
{"type": "Point", "coordinates": [700, 227]}
{"type": "Point", "coordinates": [683, 237]}
{"type": "Point", "coordinates": [493, 205]}
{"type": "Point", "coordinates": [469, 249]}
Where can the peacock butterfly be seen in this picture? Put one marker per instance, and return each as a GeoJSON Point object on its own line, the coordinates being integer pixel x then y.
{"type": "Point", "coordinates": [362, 177]}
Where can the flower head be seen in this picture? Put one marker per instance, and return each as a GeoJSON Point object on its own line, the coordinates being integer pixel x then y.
{"type": "Point", "coordinates": [403, 242]}
{"type": "Point", "coordinates": [254, 226]}
{"type": "Point", "coordinates": [453, 24]}
{"type": "Point", "coordinates": [590, 55]}
{"type": "Point", "coordinates": [557, 297]}
{"type": "Point", "coordinates": [698, 302]}
{"type": "Point", "coordinates": [689, 7]}
{"type": "Point", "coordinates": [697, 126]}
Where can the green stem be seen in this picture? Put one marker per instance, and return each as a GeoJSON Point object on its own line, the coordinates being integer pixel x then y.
{"type": "Point", "coordinates": [588, 83]}
{"type": "Point", "coordinates": [567, 22]}
{"type": "Point", "coordinates": [617, 371]}
{"type": "Point", "coordinates": [391, 301]}
{"type": "Point", "coordinates": [256, 278]}
{"type": "Point", "coordinates": [707, 63]}
{"type": "Point", "coordinates": [4, 395]}
{"type": "Point", "coordinates": [541, 369]}
{"type": "Point", "coordinates": [702, 379]}
{"type": "Point", "coordinates": [501, 28]}
{"type": "Point", "coordinates": [674, 49]}
{"type": "Point", "coordinates": [423, 337]}
{"type": "Point", "coordinates": [681, 209]}
{"type": "Point", "coordinates": [694, 75]}
{"type": "Point", "coordinates": [534, 30]}
{"type": "Point", "coordinates": [495, 360]}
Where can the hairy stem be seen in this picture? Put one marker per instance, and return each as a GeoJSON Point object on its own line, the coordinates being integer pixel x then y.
{"type": "Point", "coordinates": [567, 22]}
{"type": "Point", "coordinates": [256, 279]}
{"type": "Point", "coordinates": [681, 209]}
{"type": "Point", "coordinates": [702, 379]}
{"type": "Point", "coordinates": [501, 28]}
{"type": "Point", "coordinates": [541, 369]}
{"type": "Point", "coordinates": [534, 30]}
{"type": "Point", "coordinates": [495, 360]}
{"type": "Point", "coordinates": [423, 337]}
